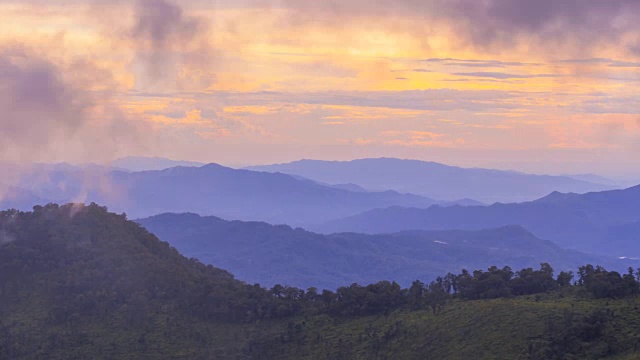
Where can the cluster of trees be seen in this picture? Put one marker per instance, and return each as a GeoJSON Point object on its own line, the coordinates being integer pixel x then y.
{"type": "Point", "coordinates": [608, 284]}
{"type": "Point", "coordinates": [495, 282]}
{"type": "Point", "coordinates": [384, 296]}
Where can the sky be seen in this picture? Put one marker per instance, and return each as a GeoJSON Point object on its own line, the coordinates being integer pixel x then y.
{"type": "Point", "coordinates": [545, 86]}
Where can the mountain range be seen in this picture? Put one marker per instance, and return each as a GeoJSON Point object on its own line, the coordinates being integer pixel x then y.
{"type": "Point", "coordinates": [142, 163]}
{"type": "Point", "coordinates": [436, 180]}
{"type": "Point", "coordinates": [605, 222]}
{"type": "Point", "coordinates": [208, 190]}
{"type": "Point", "coordinates": [262, 253]}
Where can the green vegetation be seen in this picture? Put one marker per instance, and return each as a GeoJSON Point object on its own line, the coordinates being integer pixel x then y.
{"type": "Point", "coordinates": [78, 282]}
{"type": "Point", "coordinates": [535, 327]}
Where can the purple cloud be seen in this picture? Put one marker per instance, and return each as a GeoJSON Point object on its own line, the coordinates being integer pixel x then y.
{"type": "Point", "coordinates": [168, 40]}
{"type": "Point", "coordinates": [47, 106]}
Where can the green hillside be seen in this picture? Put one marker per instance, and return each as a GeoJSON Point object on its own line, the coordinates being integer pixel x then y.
{"type": "Point", "coordinates": [527, 327]}
{"type": "Point", "coordinates": [79, 282]}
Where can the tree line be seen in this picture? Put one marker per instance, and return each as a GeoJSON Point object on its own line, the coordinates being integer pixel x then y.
{"type": "Point", "coordinates": [384, 296]}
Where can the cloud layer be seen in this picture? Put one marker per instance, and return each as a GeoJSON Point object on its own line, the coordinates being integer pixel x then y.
{"type": "Point", "coordinates": [261, 80]}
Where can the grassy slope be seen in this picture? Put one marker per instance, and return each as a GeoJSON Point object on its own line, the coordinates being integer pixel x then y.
{"type": "Point", "coordinates": [486, 329]}
{"type": "Point", "coordinates": [168, 336]}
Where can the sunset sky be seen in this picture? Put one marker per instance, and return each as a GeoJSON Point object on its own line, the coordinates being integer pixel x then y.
{"type": "Point", "coordinates": [547, 86]}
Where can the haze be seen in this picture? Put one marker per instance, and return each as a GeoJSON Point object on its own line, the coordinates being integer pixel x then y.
{"type": "Point", "coordinates": [544, 86]}
{"type": "Point", "coordinates": [319, 179]}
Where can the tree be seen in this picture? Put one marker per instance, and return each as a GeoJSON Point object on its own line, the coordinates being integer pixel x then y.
{"type": "Point", "coordinates": [312, 294]}
{"type": "Point", "coordinates": [436, 296]}
{"type": "Point", "coordinates": [415, 294]}
{"type": "Point", "coordinates": [564, 278]}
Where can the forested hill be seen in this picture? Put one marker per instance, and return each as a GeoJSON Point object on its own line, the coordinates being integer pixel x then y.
{"type": "Point", "coordinates": [79, 282]}
{"type": "Point", "coordinates": [278, 254]}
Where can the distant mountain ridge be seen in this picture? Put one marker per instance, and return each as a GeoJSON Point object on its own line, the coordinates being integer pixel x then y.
{"type": "Point", "coordinates": [434, 179]}
{"type": "Point", "coordinates": [209, 190]}
{"type": "Point", "coordinates": [268, 254]}
{"type": "Point", "coordinates": [586, 222]}
{"type": "Point", "coordinates": [141, 163]}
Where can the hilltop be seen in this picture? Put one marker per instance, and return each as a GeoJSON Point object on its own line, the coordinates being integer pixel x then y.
{"type": "Point", "coordinates": [79, 282]}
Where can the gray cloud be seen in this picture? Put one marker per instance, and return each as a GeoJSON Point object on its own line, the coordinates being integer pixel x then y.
{"type": "Point", "coordinates": [477, 63]}
{"type": "Point", "coordinates": [52, 111]}
{"type": "Point", "coordinates": [49, 108]}
{"type": "Point", "coordinates": [603, 61]}
{"type": "Point", "coordinates": [436, 100]}
{"type": "Point", "coordinates": [629, 105]}
{"type": "Point", "coordinates": [480, 23]}
{"type": "Point", "coordinates": [466, 80]}
{"type": "Point", "coordinates": [168, 41]}
{"type": "Point", "coordinates": [502, 75]}
{"type": "Point", "coordinates": [624, 64]}
{"type": "Point", "coordinates": [585, 22]}
{"type": "Point", "coordinates": [35, 101]}
{"type": "Point", "coordinates": [491, 23]}
{"type": "Point", "coordinates": [584, 61]}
